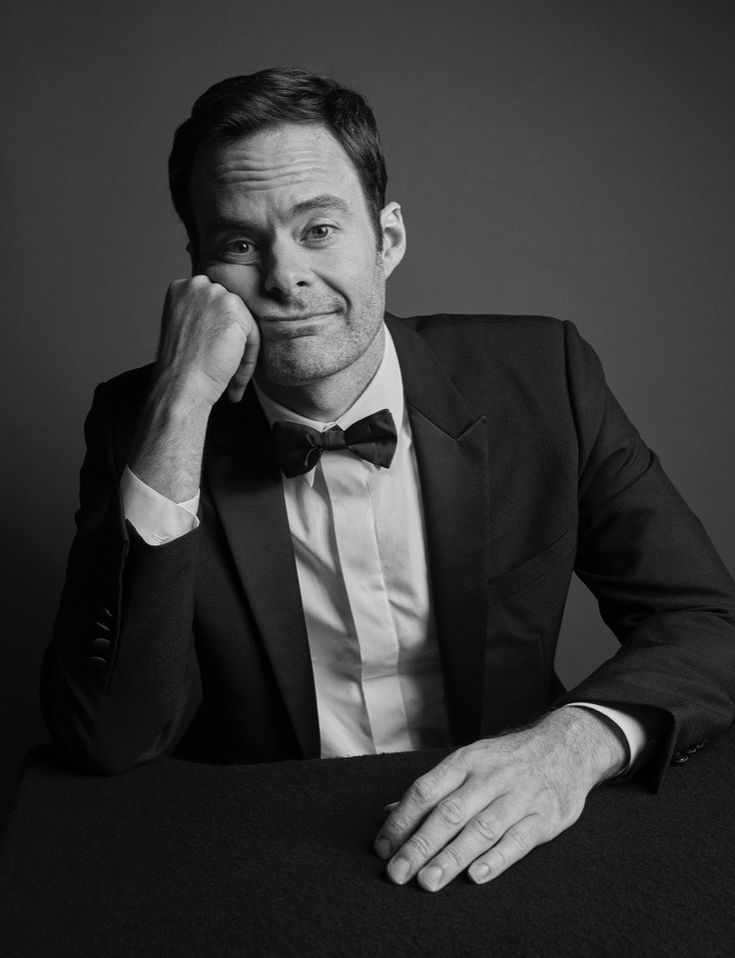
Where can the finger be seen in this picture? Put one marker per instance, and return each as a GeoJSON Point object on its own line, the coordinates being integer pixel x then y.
{"type": "Point", "coordinates": [388, 809]}
{"type": "Point", "coordinates": [480, 833]}
{"type": "Point", "coordinates": [245, 370]}
{"type": "Point", "coordinates": [435, 834]}
{"type": "Point", "coordinates": [425, 793]}
{"type": "Point", "coordinates": [515, 844]}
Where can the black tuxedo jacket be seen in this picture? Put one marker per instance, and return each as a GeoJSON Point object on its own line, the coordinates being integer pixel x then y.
{"type": "Point", "coordinates": [529, 470]}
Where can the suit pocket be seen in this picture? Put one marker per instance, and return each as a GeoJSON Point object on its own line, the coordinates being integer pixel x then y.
{"type": "Point", "coordinates": [559, 553]}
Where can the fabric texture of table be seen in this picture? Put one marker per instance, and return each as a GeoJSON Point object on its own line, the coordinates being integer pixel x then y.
{"type": "Point", "coordinates": [175, 858]}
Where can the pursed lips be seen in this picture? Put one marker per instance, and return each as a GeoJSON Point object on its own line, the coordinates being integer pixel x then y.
{"type": "Point", "coordinates": [288, 326]}
{"type": "Point", "coordinates": [298, 317]}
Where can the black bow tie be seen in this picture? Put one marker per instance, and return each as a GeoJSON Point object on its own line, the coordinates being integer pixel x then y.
{"type": "Point", "coordinates": [299, 448]}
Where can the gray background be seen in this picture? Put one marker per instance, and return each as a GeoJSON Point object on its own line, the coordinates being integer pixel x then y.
{"type": "Point", "coordinates": [568, 158]}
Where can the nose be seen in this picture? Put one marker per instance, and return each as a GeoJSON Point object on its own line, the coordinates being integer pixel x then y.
{"type": "Point", "coordinates": [285, 269]}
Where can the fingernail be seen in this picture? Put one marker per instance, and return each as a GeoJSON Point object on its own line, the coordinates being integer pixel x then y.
{"type": "Point", "coordinates": [382, 848]}
{"type": "Point", "coordinates": [479, 873]}
{"type": "Point", "coordinates": [398, 870]}
{"type": "Point", "coordinates": [431, 877]}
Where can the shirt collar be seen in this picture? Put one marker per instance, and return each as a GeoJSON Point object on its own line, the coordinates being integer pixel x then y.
{"type": "Point", "coordinates": [384, 391]}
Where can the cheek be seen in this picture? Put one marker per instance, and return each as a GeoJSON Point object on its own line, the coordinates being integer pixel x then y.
{"type": "Point", "coordinates": [357, 272]}
{"type": "Point", "coordinates": [241, 280]}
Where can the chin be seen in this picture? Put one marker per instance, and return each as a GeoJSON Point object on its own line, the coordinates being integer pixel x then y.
{"type": "Point", "coordinates": [292, 370]}
{"type": "Point", "coordinates": [308, 360]}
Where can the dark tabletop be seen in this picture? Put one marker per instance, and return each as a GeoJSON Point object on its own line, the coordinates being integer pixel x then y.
{"type": "Point", "coordinates": [181, 859]}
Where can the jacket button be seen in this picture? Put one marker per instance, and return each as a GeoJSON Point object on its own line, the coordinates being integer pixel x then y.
{"type": "Point", "coordinates": [694, 748]}
{"type": "Point", "coordinates": [105, 613]}
{"type": "Point", "coordinates": [101, 646]}
{"type": "Point", "coordinates": [96, 663]}
{"type": "Point", "coordinates": [679, 758]}
{"type": "Point", "coordinates": [102, 626]}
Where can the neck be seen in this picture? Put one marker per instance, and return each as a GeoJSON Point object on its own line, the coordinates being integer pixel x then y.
{"type": "Point", "coordinates": [327, 399]}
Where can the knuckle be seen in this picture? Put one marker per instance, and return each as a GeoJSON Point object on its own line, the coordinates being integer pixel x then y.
{"type": "Point", "coordinates": [231, 302]}
{"type": "Point", "coordinates": [220, 296]}
{"type": "Point", "coordinates": [395, 826]}
{"type": "Point", "coordinates": [486, 826]}
{"type": "Point", "coordinates": [452, 858]}
{"type": "Point", "coordinates": [418, 845]}
{"type": "Point", "coordinates": [422, 791]}
{"type": "Point", "coordinates": [461, 758]}
{"type": "Point", "coordinates": [451, 811]}
{"type": "Point", "coordinates": [521, 839]}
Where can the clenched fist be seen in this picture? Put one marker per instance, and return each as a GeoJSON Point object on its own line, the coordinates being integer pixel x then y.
{"type": "Point", "coordinates": [209, 341]}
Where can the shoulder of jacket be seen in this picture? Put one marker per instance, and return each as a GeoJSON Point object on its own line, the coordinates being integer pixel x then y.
{"type": "Point", "coordinates": [491, 323]}
{"type": "Point", "coordinates": [129, 386]}
{"type": "Point", "coordinates": [500, 332]}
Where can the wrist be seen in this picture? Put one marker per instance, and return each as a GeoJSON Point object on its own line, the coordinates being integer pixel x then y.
{"type": "Point", "coordinates": [598, 750]}
{"type": "Point", "coordinates": [171, 415]}
{"type": "Point", "coordinates": [167, 453]}
{"type": "Point", "coordinates": [181, 398]}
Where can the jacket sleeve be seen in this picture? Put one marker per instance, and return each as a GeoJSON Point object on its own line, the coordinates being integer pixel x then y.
{"type": "Point", "coordinates": [659, 583]}
{"type": "Point", "coordinates": [120, 680]}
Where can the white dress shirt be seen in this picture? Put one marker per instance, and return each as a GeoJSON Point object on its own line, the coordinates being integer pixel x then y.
{"type": "Point", "coordinates": [358, 536]}
{"type": "Point", "coordinates": [359, 542]}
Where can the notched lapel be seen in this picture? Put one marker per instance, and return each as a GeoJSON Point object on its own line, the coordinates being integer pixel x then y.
{"type": "Point", "coordinates": [245, 484]}
{"type": "Point", "coordinates": [452, 454]}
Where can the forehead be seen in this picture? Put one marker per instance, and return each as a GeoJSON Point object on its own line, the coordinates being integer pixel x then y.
{"type": "Point", "coordinates": [271, 171]}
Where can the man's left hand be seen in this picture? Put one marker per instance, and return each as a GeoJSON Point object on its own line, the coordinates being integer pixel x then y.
{"type": "Point", "coordinates": [488, 804]}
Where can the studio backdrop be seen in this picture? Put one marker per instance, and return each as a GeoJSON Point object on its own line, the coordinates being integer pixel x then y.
{"type": "Point", "coordinates": [572, 158]}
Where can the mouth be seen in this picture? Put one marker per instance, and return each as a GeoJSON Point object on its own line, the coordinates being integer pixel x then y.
{"type": "Point", "coordinates": [291, 326]}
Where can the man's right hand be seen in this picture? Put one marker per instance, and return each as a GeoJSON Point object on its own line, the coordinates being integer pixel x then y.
{"type": "Point", "coordinates": [209, 343]}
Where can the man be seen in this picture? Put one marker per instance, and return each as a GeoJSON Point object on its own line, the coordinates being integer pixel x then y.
{"type": "Point", "coordinates": [245, 589]}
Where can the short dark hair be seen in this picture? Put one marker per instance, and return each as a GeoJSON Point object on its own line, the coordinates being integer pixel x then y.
{"type": "Point", "coordinates": [242, 105]}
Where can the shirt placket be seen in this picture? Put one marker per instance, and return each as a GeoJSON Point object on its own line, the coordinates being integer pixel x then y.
{"type": "Point", "coordinates": [348, 482]}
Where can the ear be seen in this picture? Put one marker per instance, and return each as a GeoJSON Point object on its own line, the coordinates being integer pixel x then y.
{"type": "Point", "coordinates": [394, 237]}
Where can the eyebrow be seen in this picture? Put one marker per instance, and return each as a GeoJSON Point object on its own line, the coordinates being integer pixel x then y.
{"type": "Point", "coordinates": [324, 202]}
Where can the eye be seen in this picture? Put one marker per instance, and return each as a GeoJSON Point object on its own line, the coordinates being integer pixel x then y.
{"type": "Point", "coordinates": [239, 251]}
{"type": "Point", "coordinates": [320, 232]}
{"type": "Point", "coordinates": [239, 247]}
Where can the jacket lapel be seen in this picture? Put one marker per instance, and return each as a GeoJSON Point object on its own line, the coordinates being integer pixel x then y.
{"type": "Point", "coordinates": [245, 484]}
{"type": "Point", "coordinates": [452, 455]}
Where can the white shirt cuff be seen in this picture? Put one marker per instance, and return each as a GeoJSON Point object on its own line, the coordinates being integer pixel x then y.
{"type": "Point", "coordinates": [633, 730]}
{"type": "Point", "coordinates": [155, 518]}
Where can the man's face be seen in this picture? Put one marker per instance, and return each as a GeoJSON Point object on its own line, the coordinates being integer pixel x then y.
{"type": "Point", "coordinates": [283, 223]}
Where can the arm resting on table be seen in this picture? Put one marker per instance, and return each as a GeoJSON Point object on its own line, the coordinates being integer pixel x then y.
{"type": "Point", "coordinates": [660, 585]}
